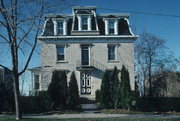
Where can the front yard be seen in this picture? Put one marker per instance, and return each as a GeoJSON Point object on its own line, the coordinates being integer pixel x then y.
{"type": "Point", "coordinates": [4, 118]}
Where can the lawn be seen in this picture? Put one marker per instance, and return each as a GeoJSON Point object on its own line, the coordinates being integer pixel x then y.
{"type": "Point", "coordinates": [100, 119]}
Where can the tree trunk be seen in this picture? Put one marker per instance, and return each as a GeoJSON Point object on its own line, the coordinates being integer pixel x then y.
{"type": "Point", "coordinates": [16, 96]}
{"type": "Point", "coordinates": [150, 83]}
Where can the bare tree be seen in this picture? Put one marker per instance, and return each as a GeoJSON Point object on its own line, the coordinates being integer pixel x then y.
{"type": "Point", "coordinates": [20, 24]}
{"type": "Point", "coordinates": [150, 56]}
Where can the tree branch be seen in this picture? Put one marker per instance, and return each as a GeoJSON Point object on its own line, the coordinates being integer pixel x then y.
{"type": "Point", "coordinates": [33, 48]}
{"type": "Point", "coordinates": [5, 67]}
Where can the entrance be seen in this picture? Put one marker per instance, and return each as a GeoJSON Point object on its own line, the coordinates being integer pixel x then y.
{"type": "Point", "coordinates": [85, 83]}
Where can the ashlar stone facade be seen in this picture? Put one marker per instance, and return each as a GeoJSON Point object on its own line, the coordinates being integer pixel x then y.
{"type": "Point", "coordinates": [88, 44]}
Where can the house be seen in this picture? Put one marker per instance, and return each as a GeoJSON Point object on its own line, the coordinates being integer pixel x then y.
{"type": "Point", "coordinates": [6, 80]}
{"type": "Point", "coordinates": [88, 44]}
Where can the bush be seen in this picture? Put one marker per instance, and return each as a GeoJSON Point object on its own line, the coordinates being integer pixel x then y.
{"type": "Point", "coordinates": [58, 90]}
{"type": "Point", "coordinates": [98, 96]}
{"type": "Point", "coordinates": [6, 99]}
{"type": "Point", "coordinates": [106, 100]}
{"type": "Point", "coordinates": [125, 89]}
{"type": "Point", "coordinates": [73, 91]}
{"type": "Point", "coordinates": [161, 104]}
{"type": "Point", "coordinates": [115, 88]}
{"type": "Point", "coordinates": [36, 104]}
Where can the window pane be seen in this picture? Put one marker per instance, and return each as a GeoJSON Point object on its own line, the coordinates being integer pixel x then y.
{"type": "Point", "coordinates": [84, 23]}
{"type": "Point", "coordinates": [111, 27]}
{"type": "Point", "coordinates": [36, 80]}
{"type": "Point", "coordinates": [60, 27]}
{"type": "Point", "coordinates": [1, 76]}
{"type": "Point", "coordinates": [111, 52]}
{"type": "Point", "coordinates": [60, 53]}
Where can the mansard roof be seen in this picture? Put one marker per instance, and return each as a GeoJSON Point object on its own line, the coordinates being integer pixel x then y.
{"type": "Point", "coordinates": [97, 24]}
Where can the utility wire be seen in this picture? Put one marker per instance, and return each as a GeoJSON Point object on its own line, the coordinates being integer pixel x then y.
{"type": "Point", "coordinates": [139, 12]}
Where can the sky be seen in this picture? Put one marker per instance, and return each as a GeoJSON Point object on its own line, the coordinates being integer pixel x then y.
{"type": "Point", "coordinates": [165, 27]}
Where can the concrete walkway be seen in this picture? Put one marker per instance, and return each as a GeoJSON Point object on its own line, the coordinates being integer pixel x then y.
{"type": "Point", "coordinates": [90, 108]}
{"type": "Point", "coordinates": [98, 115]}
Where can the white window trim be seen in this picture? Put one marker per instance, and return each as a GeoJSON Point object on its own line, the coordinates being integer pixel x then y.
{"type": "Point", "coordinates": [61, 28]}
{"type": "Point", "coordinates": [89, 23]}
{"type": "Point", "coordinates": [39, 82]}
{"type": "Point", "coordinates": [64, 20]}
{"type": "Point", "coordinates": [65, 54]}
{"type": "Point", "coordinates": [106, 21]}
{"type": "Point", "coordinates": [116, 49]}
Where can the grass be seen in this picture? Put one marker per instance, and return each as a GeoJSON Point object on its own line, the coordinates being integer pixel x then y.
{"type": "Point", "coordinates": [5, 118]}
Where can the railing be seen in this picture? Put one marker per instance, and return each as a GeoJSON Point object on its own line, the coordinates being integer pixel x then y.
{"type": "Point", "coordinates": [92, 63]}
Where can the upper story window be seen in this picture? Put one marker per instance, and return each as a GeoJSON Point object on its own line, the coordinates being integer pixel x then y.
{"type": "Point", "coordinates": [60, 27]}
{"type": "Point", "coordinates": [111, 52]}
{"type": "Point", "coordinates": [111, 27]}
{"type": "Point", "coordinates": [36, 81]}
{"type": "Point", "coordinates": [60, 53]}
{"type": "Point", "coordinates": [84, 23]}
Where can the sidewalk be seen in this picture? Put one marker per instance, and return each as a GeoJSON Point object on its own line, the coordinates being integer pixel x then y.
{"type": "Point", "coordinates": [99, 115]}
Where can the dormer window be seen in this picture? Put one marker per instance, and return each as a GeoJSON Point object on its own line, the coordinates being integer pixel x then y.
{"type": "Point", "coordinates": [84, 23]}
{"type": "Point", "coordinates": [111, 27]}
{"type": "Point", "coordinates": [60, 27]}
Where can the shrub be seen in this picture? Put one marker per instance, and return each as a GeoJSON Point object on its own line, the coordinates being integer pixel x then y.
{"type": "Point", "coordinates": [105, 91]}
{"type": "Point", "coordinates": [36, 104]}
{"type": "Point", "coordinates": [158, 104]}
{"type": "Point", "coordinates": [115, 88]}
{"type": "Point", "coordinates": [6, 99]}
{"type": "Point", "coordinates": [125, 89]}
{"type": "Point", "coordinates": [73, 91]}
{"type": "Point", "coordinates": [58, 90]}
{"type": "Point", "coordinates": [98, 96]}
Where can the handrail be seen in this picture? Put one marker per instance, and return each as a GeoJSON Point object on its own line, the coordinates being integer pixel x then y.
{"type": "Point", "coordinates": [93, 63]}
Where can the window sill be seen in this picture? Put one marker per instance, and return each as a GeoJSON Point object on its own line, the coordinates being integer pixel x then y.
{"type": "Point", "coordinates": [63, 61]}
{"type": "Point", "coordinates": [113, 61]}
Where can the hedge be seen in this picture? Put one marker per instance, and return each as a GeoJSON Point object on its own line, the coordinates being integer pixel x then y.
{"type": "Point", "coordinates": [161, 104]}
{"type": "Point", "coordinates": [35, 104]}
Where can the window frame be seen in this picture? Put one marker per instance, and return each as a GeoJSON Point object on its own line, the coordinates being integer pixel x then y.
{"type": "Point", "coordinates": [60, 28]}
{"type": "Point", "coordinates": [84, 23]}
{"type": "Point", "coordinates": [111, 26]}
{"type": "Point", "coordinates": [115, 52]}
{"type": "Point", "coordinates": [35, 82]}
{"type": "Point", "coordinates": [60, 54]}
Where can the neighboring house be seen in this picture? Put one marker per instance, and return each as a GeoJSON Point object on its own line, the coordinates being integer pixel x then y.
{"type": "Point", "coordinates": [6, 80]}
{"type": "Point", "coordinates": [87, 43]}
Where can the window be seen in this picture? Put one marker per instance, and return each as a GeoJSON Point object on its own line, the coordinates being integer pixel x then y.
{"type": "Point", "coordinates": [85, 54]}
{"type": "Point", "coordinates": [111, 52]}
{"type": "Point", "coordinates": [36, 81]}
{"type": "Point", "coordinates": [60, 27]}
{"type": "Point", "coordinates": [1, 76]}
{"type": "Point", "coordinates": [111, 27]}
{"type": "Point", "coordinates": [60, 53]}
{"type": "Point", "coordinates": [84, 23]}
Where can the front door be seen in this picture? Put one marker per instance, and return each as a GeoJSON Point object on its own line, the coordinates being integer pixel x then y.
{"type": "Point", "coordinates": [85, 83]}
{"type": "Point", "coordinates": [85, 54]}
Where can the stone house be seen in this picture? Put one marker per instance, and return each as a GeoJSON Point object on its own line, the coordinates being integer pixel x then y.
{"type": "Point", "coordinates": [87, 43]}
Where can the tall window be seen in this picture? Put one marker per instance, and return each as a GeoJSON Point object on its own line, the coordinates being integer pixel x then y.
{"type": "Point", "coordinates": [111, 27]}
{"type": "Point", "coordinates": [84, 23]}
{"type": "Point", "coordinates": [60, 53]}
{"type": "Point", "coordinates": [60, 27]}
{"type": "Point", "coordinates": [111, 52]}
{"type": "Point", "coordinates": [36, 81]}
